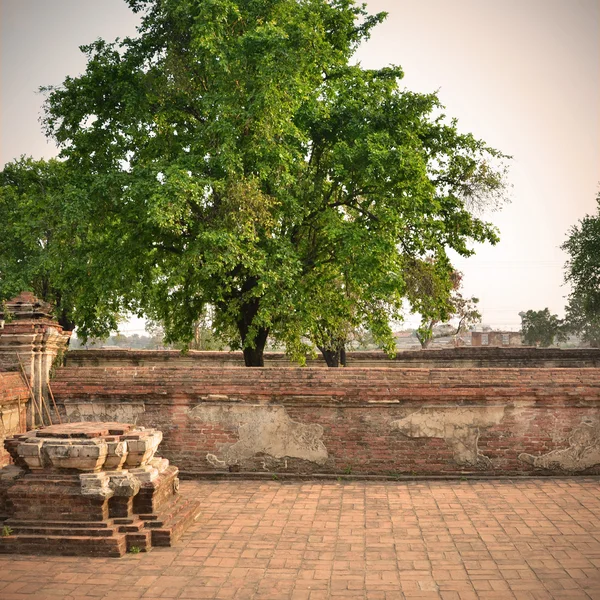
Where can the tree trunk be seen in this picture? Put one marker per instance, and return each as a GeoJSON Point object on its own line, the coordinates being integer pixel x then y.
{"type": "Point", "coordinates": [64, 321]}
{"type": "Point", "coordinates": [428, 337]}
{"type": "Point", "coordinates": [334, 357]}
{"type": "Point", "coordinates": [343, 356]}
{"type": "Point", "coordinates": [424, 341]}
{"type": "Point", "coordinates": [253, 353]}
{"type": "Point", "coordinates": [254, 357]}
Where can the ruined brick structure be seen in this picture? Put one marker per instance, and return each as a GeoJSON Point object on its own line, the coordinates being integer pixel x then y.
{"type": "Point", "coordinates": [14, 396]}
{"type": "Point", "coordinates": [32, 338]}
{"type": "Point", "coordinates": [91, 489]}
{"type": "Point", "coordinates": [495, 338]}
{"type": "Point", "coordinates": [353, 420]}
{"type": "Point", "coordinates": [484, 411]}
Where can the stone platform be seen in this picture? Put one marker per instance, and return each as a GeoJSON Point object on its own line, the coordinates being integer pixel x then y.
{"type": "Point", "coordinates": [93, 489]}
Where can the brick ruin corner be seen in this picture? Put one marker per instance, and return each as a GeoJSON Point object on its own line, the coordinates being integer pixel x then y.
{"type": "Point", "coordinates": [30, 336]}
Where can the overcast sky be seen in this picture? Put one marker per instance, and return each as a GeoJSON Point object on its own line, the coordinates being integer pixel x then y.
{"type": "Point", "coordinates": [524, 75]}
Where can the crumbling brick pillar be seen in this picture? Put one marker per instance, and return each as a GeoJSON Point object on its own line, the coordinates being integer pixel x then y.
{"type": "Point", "coordinates": [29, 334]}
{"type": "Point", "coordinates": [13, 404]}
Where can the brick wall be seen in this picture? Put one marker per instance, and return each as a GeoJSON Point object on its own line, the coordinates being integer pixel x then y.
{"type": "Point", "coordinates": [372, 421]}
{"type": "Point", "coordinates": [440, 358]}
{"type": "Point", "coordinates": [13, 401]}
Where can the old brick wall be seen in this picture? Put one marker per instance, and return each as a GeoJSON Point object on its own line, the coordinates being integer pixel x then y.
{"type": "Point", "coordinates": [440, 358]}
{"type": "Point", "coordinates": [13, 401]}
{"type": "Point", "coordinates": [371, 421]}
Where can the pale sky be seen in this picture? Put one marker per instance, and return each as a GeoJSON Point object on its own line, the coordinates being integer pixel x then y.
{"type": "Point", "coordinates": [524, 75]}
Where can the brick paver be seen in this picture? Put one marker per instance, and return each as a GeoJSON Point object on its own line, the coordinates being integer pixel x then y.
{"type": "Point", "coordinates": [526, 539]}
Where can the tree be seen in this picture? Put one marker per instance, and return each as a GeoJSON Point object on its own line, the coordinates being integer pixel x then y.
{"type": "Point", "coordinates": [45, 249]}
{"type": "Point", "coordinates": [582, 322]}
{"type": "Point", "coordinates": [337, 311]}
{"type": "Point", "coordinates": [540, 328]}
{"type": "Point", "coordinates": [231, 155]}
{"type": "Point", "coordinates": [438, 305]}
{"type": "Point", "coordinates": [31, 230]}
{"type": "Point", "coordinates": [333, 314]}
{"type": "Point", "coordinates": [204, 337]}
{"type": "Point", "coordinates": [583, 273]}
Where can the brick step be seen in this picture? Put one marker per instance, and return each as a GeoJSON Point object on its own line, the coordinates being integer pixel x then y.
{"type": "Point", "coordinates": [123, 520]}
{"type": "Point", "coordinates": [80, 528]}
{"type": "Point", "coordinates": [69, 524]}
{"type": "Point", "coordinates": [166, 514]}
{"type": "Point", "coordinates": [133, 528]}
{"type": "Point", "coordinates": [170, 534]}
{"type": "Point", "coordinates": [170, 524]}
{"type": "Point", "coordinates": [114, 546]}
{"type": "Point", "coordinates": [44, 530]}
{"type": "Point", "coordinates": [142, 540]}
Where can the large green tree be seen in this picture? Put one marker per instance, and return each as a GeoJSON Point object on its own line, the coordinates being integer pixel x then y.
{"type": "Point", "coordinates": [232, 155]}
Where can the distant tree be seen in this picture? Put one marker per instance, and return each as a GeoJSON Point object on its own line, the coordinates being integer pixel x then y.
{"type": "Point", "coordinates": [583, 265]}
{"type": "Point", "coordinates": [583, 273]}
{"type": "Point", "coordinates": [338, 312]}
{"type": "Point", "coordinates": [540, 328]}
{"type": "Point", "coordinates": [204, 337]}
{"type": "Point", "coordinates": [334, 315]}
{"type": "Point", "coordinates": [156, 334]}
{"type": "Point", "coordinates": [444, 312]}
{"type": "Point", "coordinates": [581, 321]}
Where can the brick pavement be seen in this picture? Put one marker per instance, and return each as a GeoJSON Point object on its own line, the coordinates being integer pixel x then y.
{"type": "Point", "coordinates": [526, 539]}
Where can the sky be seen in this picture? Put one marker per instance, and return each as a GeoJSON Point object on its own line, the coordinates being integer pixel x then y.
{"type": "Point", "coordinates": [523, 75]}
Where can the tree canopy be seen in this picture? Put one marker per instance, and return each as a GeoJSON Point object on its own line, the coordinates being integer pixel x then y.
{"type": "Point", "coordinates": [541, 328]}
{"type": "Point", "coordinates": [31, 229]}
{"type": "Point", "coordinates": [232, 155]}
{"type": "Point", "coordinates": [582, 321]}
{"type": "Point", "coordinates": [583, 273]}
{"type": "Point", "coordinates": [583, 265]}
{"type": "Point", "coordinates": [463, 311]}
{"type": "Point", "coordinates": [48, 248]}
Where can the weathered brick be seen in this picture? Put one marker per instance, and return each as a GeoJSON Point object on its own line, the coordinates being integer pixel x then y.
{"type": "Point", "coordinates": [13, 401]}
{"type": "Point", "coordinates": [386, 421]}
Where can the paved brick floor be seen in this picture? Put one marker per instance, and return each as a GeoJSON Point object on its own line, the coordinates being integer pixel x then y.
{"type": "Point", "coordinates": [529, 540]}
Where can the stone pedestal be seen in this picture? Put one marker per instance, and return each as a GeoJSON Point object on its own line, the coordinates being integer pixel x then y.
{"type": "Point", "coordinates": [30, 333]}
{"type": "Point", "coordinates": [92, 489]}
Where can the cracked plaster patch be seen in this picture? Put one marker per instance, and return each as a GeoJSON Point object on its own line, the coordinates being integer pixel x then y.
{"type": "Point", "coordinates": [583, 451]}
{"type": "Point", "coordinates": [459, 427]}
{"type": "Point", "coordinates": [264, 430]}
